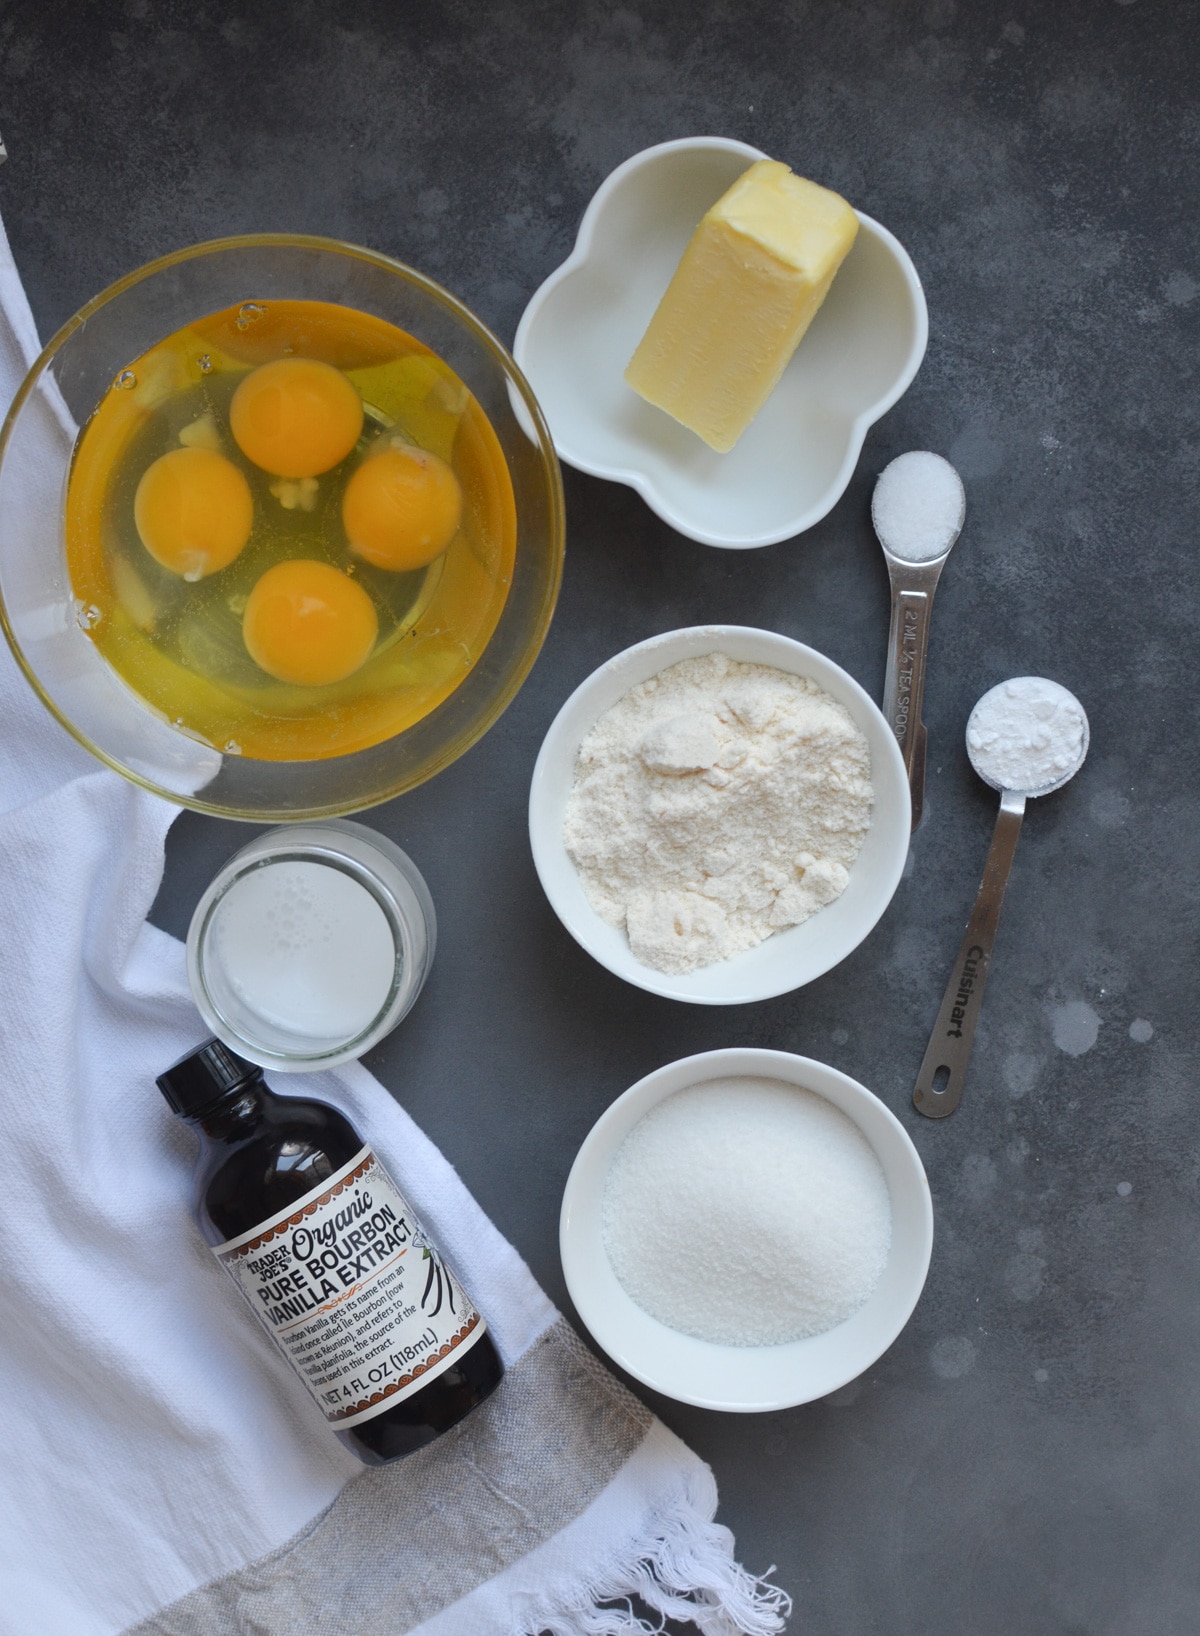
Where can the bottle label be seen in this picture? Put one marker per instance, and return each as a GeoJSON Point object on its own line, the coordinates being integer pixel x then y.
{"type": "Point", "coordinates": [356, 1296]}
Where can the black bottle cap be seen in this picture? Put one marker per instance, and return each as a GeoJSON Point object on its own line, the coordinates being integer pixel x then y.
{"type": "Point", "coordinates": [205, 1075]}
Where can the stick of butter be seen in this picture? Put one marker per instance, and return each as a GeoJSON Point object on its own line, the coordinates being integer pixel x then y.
{"type": "Point", "coordinates": [749, 284]}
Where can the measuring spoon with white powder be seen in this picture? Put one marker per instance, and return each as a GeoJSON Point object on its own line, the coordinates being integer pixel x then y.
{"type": "Point", "coordinates": [1026, 737]}
{"type": "Point", "coordinates": [918, 510]}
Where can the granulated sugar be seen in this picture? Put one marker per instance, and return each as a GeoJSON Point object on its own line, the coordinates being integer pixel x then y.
{"type": "Point", "coordinates": [747, 1212]}
{"type": "Point", "coordinates": [715, 804]}
{"type": "Point", "coordinates": [918, 506]}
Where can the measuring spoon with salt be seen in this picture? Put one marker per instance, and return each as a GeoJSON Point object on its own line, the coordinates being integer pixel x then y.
{"type": "Point", "coordinates": [1026, 737]}
{"type": "Point", "coordinates": [918, 509]}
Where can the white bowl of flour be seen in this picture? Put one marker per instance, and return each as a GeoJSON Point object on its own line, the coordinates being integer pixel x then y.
{"type": "Point", "coordinates": [698, 1207]}
{"type": "Point", "coordinates": [795, 853]}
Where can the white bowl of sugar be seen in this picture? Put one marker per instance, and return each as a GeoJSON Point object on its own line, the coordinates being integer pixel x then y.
{"type": "Point", "coordinates": [787, 958]}
{"type": "Point", "coordinates": [771, 1211]}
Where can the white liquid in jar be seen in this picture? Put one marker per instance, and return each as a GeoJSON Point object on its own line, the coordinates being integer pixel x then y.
{"type": "Point", "coordinates": [306, 948]}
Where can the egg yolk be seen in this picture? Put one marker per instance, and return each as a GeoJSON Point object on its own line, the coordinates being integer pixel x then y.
{"type": "Point", "coordinates": [401, 508]}
{"type": "Point", "coordinates": [308, 623]}
{"type": "Point", "coordinates": [296, 417]}
{"type": "Point", "coordinates": [193, 511]}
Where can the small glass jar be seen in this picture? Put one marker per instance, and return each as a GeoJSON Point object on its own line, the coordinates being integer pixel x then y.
{"type": "Point", "coordinates": [311, 944]}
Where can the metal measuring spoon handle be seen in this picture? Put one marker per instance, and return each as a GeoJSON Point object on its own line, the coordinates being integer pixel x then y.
{"type": "Point", "coordinates": [913, 586]}
{"type": "Point", "coordinates": [949, 1049]}
{"type": "Point", "coordinates": [917, 509]}
{"type": "Point", "coordinates": [1008, 738]}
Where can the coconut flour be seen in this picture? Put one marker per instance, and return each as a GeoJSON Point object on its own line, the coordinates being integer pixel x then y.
{"type": "Point", "coordinates": [715, 804]}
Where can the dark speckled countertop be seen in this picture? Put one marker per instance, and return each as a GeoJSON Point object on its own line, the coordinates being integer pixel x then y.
{"type": "Point", "coordinates": [1024, 1458]}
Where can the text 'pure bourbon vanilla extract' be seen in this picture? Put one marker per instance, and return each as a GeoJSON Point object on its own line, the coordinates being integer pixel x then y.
{"type": "Point", "coordinates": [331, 1258]}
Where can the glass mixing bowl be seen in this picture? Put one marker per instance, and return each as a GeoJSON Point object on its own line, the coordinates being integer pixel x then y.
{"type": "Point", "coordinates": [45, 624]}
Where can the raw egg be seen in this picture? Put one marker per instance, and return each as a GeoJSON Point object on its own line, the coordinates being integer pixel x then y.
{"type": "Point", "coordinates": [308, 623]}
{"type": "Point", "coordinates": [193, 511]}
{"type": "Point", "coordinates": [296, 417]}
{"type": "Point", "coordinates": [348, 654]}
{"type": "Point", "coordinates": [401, 508]}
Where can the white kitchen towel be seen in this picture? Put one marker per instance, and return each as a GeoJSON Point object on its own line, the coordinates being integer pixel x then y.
{"type": "Point", "coordinates": [162, 1469]}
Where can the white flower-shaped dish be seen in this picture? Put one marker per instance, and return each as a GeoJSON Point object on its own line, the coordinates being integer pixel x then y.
{"type": "Point", "coordinates": [744, 1379]}
{"type": "Point", "coordinates": [791, 958]}
{"type": "Point", "coordinates": [792, 465]}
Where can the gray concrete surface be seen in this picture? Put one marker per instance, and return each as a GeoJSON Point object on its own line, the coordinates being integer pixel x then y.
{"type": "Point", "coordinates": [1024, 1458]}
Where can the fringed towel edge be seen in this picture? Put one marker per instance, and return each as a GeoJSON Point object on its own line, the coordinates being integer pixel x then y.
{"type": "Point", "coordinates": [679, 1564]}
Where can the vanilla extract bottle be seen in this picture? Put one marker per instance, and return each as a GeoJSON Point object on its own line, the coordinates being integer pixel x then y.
{"type": "Point", "coordinates": [331, 1259]}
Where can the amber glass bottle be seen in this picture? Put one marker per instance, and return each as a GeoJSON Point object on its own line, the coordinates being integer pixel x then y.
{"type": "Point", "coordinates": [331, 1259]}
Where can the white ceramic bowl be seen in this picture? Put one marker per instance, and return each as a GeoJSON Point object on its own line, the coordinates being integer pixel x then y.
{"type": "Point", "coordinates": [792, 465]}
{"type": "Point", "coordinates": [745, 1379]}
{"type": "Point", "coordinates": [788, 959]}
